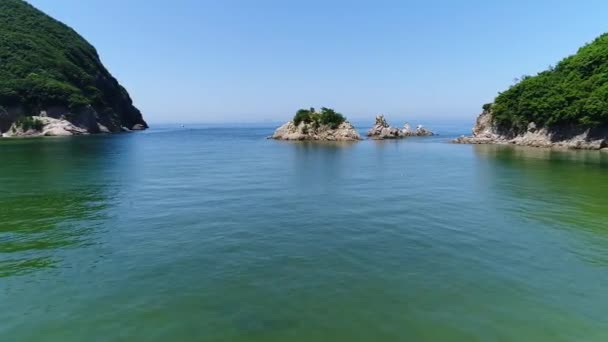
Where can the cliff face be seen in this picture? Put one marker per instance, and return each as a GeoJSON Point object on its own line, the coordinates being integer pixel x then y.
{"type": "Point", "coordinates": [486, 131]}
{"type": "Point", "coordinates": [48, 70]}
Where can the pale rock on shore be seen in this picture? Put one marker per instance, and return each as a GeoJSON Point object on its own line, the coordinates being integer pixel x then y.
{"type": "Point", "coordinates": [382, 130]}
{"type": "Point", "coordinates": [58, 121]}
{"type": "Point", "coordinates": [50, 127]}
{"type": "Point", "coordinates": [308, 132]}
{"type": "Point", "coordinates": [485, 132]}
{"type": "Point", "coordinates": [138, 127]}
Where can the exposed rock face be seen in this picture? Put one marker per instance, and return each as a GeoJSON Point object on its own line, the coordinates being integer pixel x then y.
{"type": "Point", "coordinates": [85, 121]}
{"type": "Point", "coordinates": [305, 131]}
{"type": "Point", "coordinates": [382, 130]}
{"type": "Point", "coordinates": [49, 127]}
{"type": "Point", "coordinates": [485, 132]}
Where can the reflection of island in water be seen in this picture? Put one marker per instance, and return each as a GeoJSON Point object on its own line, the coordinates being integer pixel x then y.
{"type": "Point", "coordinates": [53, 191]}
{"type": "Point", "coordinates": [522, 154]}
{"type": "Point", "coordinates": [320, 165]}
{"type": "Point", "coordinates": [559, 187]}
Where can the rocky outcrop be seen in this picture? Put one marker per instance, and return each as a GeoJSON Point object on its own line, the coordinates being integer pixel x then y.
{"type": "Point", "coordinates": [382, 130]}
{"type": "Point", "coordinates": [39, 126]}
{"type": "Point", "coordinates": [86, 121]}
{"type": "Point", "coordinates": [311, 132]}
{"type": "Point", "coordinates": [60, 121]}
{"type": "Point", "coordinates": [138, 127]}
{"type": "Point", "coordinates": [485, 132]}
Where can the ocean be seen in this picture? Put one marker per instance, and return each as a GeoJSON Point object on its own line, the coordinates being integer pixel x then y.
{"type": "Point", "coordinates": [214, 233]}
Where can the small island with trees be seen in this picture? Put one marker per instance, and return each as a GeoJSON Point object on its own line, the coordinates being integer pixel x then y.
{"type": "Point", "coordinates": [313, 125]}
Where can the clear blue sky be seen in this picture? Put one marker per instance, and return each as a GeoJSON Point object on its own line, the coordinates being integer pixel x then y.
{"type": "Point", "coordinates": [255, 61]}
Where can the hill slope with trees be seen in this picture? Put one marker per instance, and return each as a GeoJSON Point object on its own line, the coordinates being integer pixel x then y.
{"type": "Point", "coordinates": [45, 66]}
{"type": "Point", "coordinates": [573, 93]}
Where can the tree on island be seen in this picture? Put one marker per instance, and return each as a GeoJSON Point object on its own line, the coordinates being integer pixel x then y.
{"type": "Point", "coordinates": [326, 117]}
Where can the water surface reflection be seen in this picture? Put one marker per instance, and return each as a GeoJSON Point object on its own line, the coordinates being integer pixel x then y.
{"type": "Point", "coordinates": [557, 189]}
{"type": "Point", "coordinates": [54, 191]}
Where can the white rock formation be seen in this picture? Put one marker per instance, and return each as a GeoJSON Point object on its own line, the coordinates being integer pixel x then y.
{"type": "Point", "coordinates": [49, 127]}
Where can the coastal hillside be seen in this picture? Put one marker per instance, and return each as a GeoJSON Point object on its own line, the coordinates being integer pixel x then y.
{"type": "Point", "coordinates": [48, 70]}
{"type": "Point", "coordinates": [565, 106]}
{"type": "Point", "coordinates": [573, 93]}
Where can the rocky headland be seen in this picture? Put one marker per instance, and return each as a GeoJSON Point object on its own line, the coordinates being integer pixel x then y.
{"type": "Point", "coordinates": [564, 106]}
{"type": "Point", "coordinates": [55, 82]}
{"type": "Point", "coordinates": [486, 131]}
{"type": "Point", "coordinates": [382, 130]}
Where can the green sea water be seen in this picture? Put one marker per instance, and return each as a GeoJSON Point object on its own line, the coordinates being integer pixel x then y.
{"type": "Point", "coordinates": [217, 234]}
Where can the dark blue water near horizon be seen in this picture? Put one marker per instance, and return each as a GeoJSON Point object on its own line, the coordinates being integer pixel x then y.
{"type": "Point", "coordinates": [214, 233]}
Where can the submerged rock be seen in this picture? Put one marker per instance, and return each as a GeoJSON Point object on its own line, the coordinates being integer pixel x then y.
{"type": "Point", "coordinates": [571, 137]}
{"type": "Point", "coordinates": [382, 130]}
{"type": "Point", "coordinates": [310, 132]}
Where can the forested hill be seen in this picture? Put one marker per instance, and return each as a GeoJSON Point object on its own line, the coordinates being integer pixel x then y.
{"type": "Point", "coordinates": [573, 93]}
{"type": "Point", "coordinates": [45, 64]}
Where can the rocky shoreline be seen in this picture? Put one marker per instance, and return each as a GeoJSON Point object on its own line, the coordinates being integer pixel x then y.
{"type": "Point", "coordinates": [49, 127]}
{"type": "Point", "coordinates": [57, 121]}
{"type": "Point", "coordinates": [485, 132]}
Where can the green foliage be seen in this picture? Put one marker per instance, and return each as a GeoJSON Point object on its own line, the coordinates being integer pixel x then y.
{"type": "Point", "coordinates": [28, 122]}
{"type": "Point", "coordinates": [331, 118]}
{"type": "Point", "coordinates": [45, 63]}
{"type": "Point", "coordinates": [327, 117]}
{"type": "Point", "coordinates": [302, 115]}
{"type": "Point", "coordinates": [574, 92]}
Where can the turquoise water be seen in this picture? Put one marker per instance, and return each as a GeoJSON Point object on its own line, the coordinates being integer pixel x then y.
{"type": "Point", "coordinates": [216, 234]}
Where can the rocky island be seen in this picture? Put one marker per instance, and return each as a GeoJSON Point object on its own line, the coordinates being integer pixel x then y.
{"type": "Point", "coordinates": [565, 106]}
{"type": "Point", "coordinates": [382, 130]}
{"type": "Point", "coordinates": [312, 125]}
{"type": "Point", "coordinates": [52, 81]}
